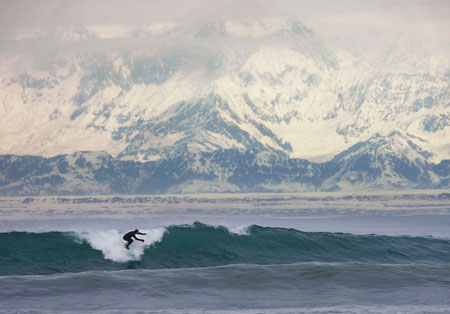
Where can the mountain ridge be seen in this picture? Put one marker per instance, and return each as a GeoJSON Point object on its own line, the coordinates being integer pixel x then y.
{"type": "Point", "coordinates": [222, 171]}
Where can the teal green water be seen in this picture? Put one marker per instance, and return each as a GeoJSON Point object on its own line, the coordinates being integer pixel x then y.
{"type": "Point", "coordinates": [199, 245]}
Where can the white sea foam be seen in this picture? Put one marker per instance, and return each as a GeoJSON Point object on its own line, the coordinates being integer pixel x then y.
{"type": "Point", "coordinates": [111, 244]}
{"type": "Point", "coordinates": [240, 230]}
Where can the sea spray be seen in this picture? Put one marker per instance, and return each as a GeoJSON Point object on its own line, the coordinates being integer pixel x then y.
{"type": "Point", "coordinates": [112, 245]}
{"type": "Point", "coordinates": [240, 230]}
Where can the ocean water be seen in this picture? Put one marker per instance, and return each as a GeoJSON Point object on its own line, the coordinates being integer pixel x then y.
{"type": "Point", "coordinates": [224, 264]}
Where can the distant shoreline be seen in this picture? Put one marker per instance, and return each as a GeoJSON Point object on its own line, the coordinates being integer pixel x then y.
{"type": "Point", "coordinates": [307, 205]}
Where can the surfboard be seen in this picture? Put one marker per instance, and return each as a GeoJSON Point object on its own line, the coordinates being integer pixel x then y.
{"type": "Point", "coordinates": [131, 252]}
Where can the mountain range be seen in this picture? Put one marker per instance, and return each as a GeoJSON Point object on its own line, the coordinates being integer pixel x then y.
{"type": "Point", "coordinates": [219, 106]}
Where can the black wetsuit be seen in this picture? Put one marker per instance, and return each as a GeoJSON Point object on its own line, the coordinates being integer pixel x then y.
{"type": "Point", "coordinates": [132, 234]}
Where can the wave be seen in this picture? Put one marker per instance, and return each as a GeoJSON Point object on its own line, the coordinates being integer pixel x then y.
{"type": "Point", "coordinates": [200, 245]}
{"type": "Point", "coordinates": [412, 288]}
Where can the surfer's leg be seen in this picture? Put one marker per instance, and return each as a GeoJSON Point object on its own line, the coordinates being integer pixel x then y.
{"type": "Point", "coordinates": [129, 242]}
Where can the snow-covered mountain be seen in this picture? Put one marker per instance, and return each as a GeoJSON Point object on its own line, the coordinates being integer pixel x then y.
{"type": "Point", "coordinates": [153, 92]}
{"type": "Point", "coordinates": [385, 162]}
{"type": "Point", "coordinates": [372, 165]}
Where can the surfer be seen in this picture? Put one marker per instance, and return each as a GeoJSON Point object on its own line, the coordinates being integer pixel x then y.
{"type": "Point", "coordinates": [132, 234]}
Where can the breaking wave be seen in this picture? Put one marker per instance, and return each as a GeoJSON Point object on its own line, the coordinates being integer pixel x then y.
{"type": "Point", "coordinates": [200, 245]}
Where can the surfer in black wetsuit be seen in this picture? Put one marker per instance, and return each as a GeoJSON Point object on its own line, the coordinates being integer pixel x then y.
{"type": "Point", "coordinates": [132, 234]}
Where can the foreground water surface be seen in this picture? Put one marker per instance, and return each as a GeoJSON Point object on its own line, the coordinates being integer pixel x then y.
{"type": "Point", "coordinates": [368, 260]}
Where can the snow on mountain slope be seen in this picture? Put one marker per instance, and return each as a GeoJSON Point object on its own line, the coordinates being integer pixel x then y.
{"type": "Point", "coordinates": [395, 161]}
{"type": "Point", "coordinates": [265, 84]}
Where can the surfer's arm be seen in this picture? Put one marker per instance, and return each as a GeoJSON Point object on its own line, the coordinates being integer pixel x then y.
{"type": "Point", "coordinates": [141, 233]}
{"type": "Point", "coordinates": [138, 238]}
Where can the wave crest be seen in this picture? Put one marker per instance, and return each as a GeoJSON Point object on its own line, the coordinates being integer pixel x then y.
{"type": "Point", "coordinates": [111, 244]}
{"type": "Point", "coordinates": [200, 245]}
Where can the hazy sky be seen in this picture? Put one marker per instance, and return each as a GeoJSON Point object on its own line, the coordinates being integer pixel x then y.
{"type": "Point", "coordinates": [361, 24]}
{"type": "Point", "coordinates": [48, 13]}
